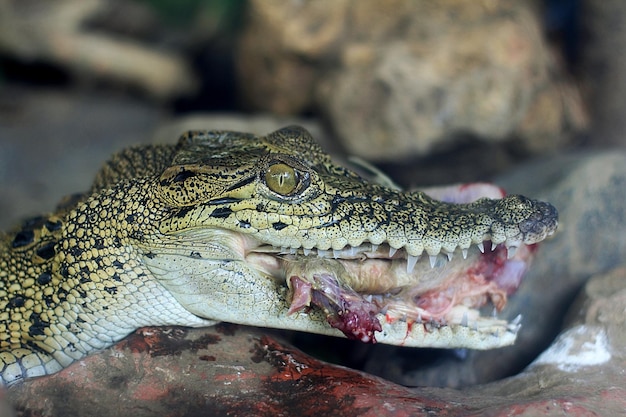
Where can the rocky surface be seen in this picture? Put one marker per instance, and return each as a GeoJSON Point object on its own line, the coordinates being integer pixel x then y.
{"type": "Point", "coordinates": [230, 370]}
{"type": "Point", "coordinates": [62, 33]}
{"type": "Point", "coordinates": [405, 78]}
{"type": "Point", "coordinates": [602, 67]}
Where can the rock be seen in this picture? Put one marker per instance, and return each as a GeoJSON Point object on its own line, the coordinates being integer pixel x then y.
{"type": "Point", "coordinates": [602, 67]}
{"type": "Point", "coordinates": [409, 77]}
{"type": "Point", "coordinates": [59, 32]}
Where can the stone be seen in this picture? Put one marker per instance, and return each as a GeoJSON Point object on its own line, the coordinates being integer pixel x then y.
{"type": "Point", "coordinates": [408, 78]}
{"type": "Point", "coordinates": [61, 33]}
{"type": "Point", "coordinates": [601, 67]}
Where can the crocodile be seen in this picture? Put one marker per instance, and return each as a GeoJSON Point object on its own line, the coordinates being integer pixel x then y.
{"type": "Point", "coordinates": [264, 231]}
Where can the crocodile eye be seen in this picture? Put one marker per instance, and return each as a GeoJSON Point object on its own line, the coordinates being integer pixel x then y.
{"type": "Point", "coordinates": [281, 179]}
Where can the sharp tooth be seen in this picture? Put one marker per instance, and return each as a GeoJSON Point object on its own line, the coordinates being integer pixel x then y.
{"type": "Point", "coordinates": [368, 298]}
{"type": "Point", "coordinates": [353, 251]}
{"type": "Point", "coordinates": [464, 252]}
{"type": "Point", "coordinates": [464, 319]}
{"type": "Point", "coordinates": [306, 251]}
{"type": "Point", "coordinates": [374, 247]}
{"type": "Point", "coordinates": [449, 256]}
{"type": "Point", "coordinates": [433, 260]}
{"type": "Point", "coordinates": [481, 247]}
{"type": "Point", "coordinates": [292, 251]}
{"type": "Point", "coordinates": [283, 249]}
{"type": "Point", "coordinates": [392, 251]}
{"type": "Point", "coordinates": [336, 253]}
{"type": "Point", "coordinates": [494, 313]}
{"type": "Point", "coordinates": [511, 251]}
{"type": "Point", "coordinates": [517, 320]}
{"type": "Point", "coordinates": [493, 246]}
{"type": "Point", "coordinates": [410, 263]}
{"type": "Point", "coordinates": [322, 253]}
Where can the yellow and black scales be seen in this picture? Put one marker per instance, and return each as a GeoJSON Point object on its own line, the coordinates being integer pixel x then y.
{"type": "Point", "coordinates": [83, 278]}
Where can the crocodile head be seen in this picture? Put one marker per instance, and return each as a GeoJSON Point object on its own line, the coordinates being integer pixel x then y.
{"type": "Point", "coordinates": [268, 231]}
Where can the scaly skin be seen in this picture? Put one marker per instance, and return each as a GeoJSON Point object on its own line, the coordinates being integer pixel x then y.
{"type": "Point", "coordinates": [189, 235]}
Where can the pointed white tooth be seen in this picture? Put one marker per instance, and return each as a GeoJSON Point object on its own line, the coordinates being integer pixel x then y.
{"type": "Point", "coordinates": [392, 251]}
{"type": "Point", "coordinates": [374, 247]}
{"type": "Point", "coordinates": [433, 260]}
{"type": "Point", "coordinates": [511, 251]}
{"type": "Point", "coordinates": [283, 249]}
{"type": "Point", "coordinates": [493, 246]}
{"type": "Point", "coordinates": [410, 263]}
{"type": "Point", "coordinates": [450, 254]}
{"type": "Point", "coordinates": [464, 252]}
{"type": "Point", "coordinates": [292, 251]}
{"type": "Point", "coordinates": [494, 313]}
{"type": "Point", "coordinates": [336, 253]}
{"type": "Point", "coordinates": [481, 247]}
{"type": "Point", "coordinates": [517, 320]}
{"type": "Point", "coordinates": [368, 298]}
{"type": "Point", "coordinates": [306, 251]}
{"type": "Point", "coordinates": [353, 251]}
{"type": "Point", "coordinates": [464, 319]}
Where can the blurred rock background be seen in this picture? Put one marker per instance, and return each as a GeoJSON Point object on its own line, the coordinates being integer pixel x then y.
{"type": "Point", "coordinates": [521, 92]}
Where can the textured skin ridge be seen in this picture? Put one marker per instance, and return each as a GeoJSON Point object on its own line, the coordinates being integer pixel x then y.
{"type": "Point", "coordinates": [154, 242]}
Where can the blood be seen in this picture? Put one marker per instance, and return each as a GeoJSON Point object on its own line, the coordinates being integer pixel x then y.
{"type": "Point", "coordinates": [301, 297]}
{"type": "Point", "coordinates": [345, 309]}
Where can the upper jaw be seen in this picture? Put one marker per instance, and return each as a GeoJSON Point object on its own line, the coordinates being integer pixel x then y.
{"type": "Point", "coordinates": [411, 222]}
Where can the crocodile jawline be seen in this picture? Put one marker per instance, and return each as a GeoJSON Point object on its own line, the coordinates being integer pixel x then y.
{"type": "Point", "coordinates": [359, 288]}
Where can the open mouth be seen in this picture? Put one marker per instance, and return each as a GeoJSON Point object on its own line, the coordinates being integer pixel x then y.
{"type": "Point", "coordinates": [362, 290]}
{"type": "Point", "coordinates": [378, 293]}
